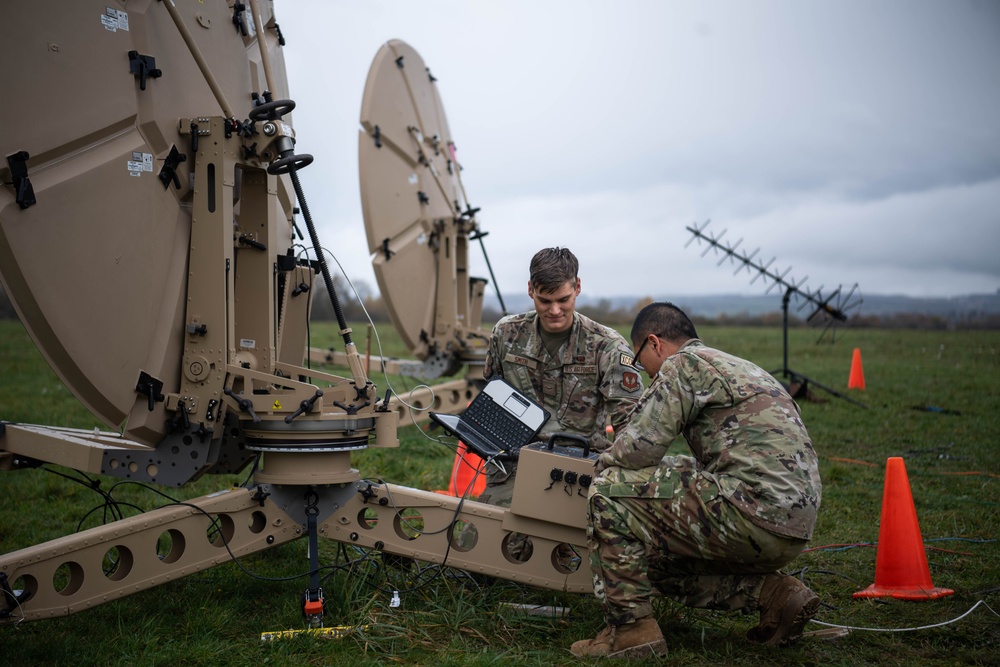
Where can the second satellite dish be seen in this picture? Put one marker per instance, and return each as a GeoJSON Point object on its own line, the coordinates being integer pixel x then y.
{"type": "Point", "coordinates": [417, 218]}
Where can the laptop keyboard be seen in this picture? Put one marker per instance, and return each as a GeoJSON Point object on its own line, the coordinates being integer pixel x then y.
{"type": "Point", "coordinates": [505, 428]}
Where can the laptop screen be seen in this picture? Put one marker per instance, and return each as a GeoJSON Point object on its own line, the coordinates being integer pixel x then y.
{"type": "Point", "coordinates": [499, 419]}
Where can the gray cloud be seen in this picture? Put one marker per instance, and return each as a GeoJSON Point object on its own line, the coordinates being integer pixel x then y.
{"type": "Point", "coordinates": [856, 141]}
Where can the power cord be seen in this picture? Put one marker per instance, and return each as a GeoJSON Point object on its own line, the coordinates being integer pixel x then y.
{"type": "Point", "coordinates": [922, 627]}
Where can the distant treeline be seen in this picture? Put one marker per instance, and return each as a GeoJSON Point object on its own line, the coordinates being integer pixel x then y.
{"type": "Point", "coordinates": [603, 311]}
{"type": "Point", "coordinates": [979, 321]}
{"type": "Point", "coordinates": [986, 321]}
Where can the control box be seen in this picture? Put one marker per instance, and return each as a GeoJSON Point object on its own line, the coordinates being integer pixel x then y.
{"type": "Point", "coordinates": [552, 483]}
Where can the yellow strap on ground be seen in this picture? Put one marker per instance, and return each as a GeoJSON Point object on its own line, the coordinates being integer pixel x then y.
{"type": "Point", "coordinates": [336, 632]}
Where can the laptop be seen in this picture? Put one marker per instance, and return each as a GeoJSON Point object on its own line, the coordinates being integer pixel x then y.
{"type": "Point", "coordinates": [499, 420]}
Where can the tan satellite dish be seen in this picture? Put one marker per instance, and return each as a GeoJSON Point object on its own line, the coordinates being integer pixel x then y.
{"type": "Point", "coordinates": [97, 266]}
{"type": "Point", "coordinates": [417, 217]}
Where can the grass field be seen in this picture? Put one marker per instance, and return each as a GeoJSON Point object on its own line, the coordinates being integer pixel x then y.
{"type": "Point", "coordinates": [216, 617]}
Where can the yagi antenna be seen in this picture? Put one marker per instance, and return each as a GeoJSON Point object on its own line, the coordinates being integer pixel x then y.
{"type": "Point", "coordinates": [831, 308]}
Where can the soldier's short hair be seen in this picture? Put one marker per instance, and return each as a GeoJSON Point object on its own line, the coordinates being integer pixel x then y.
{"type": "Point", "coordinates": [551, 268]}
{"type": "Point", "coordinates": [665, 320]}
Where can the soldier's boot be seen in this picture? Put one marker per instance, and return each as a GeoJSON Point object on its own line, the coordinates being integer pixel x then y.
{"type": "Point", "coordinates": [630, 640]}
{"type": "Point", "coordinates": [785, 605]}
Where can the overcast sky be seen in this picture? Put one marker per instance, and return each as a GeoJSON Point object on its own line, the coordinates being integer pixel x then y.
{"type": "Point", "coordinates": [855, 141]}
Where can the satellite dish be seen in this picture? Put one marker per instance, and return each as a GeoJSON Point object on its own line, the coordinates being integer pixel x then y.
{"type": "Point", "coordinates": [417, 218]}
{"type": "Point", "coordinates": [94, 241]}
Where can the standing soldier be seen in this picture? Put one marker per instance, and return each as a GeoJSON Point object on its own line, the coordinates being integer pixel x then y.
{"type": "Point", "coordinates": [579, 370]}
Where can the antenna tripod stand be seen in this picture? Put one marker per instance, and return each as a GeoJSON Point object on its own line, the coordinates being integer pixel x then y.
{"type": "Point", "coordinates": [793, 376]}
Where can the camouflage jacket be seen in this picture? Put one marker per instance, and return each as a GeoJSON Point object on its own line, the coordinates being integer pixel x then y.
{"type": "Point", "coordinates": [591, 384]}
{"type": "Point", "coordinates": [745, 433]}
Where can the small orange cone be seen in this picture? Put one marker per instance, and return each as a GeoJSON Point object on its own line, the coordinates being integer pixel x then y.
{"type": "Point", "coordinates": [901, 563]}
{"type": "Point", "coordinates": [463, 470]}
{"type": "Point", "coordinates": [857, 379]}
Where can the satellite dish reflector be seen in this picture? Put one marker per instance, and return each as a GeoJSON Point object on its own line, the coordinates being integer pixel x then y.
{"type": "Point", "coordinates": [96, 263]}
{"type": "Point", "coordinates": [417, 218]}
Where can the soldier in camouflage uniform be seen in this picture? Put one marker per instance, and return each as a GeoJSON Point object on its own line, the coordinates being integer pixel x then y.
{"type": "Point", "coordinates": [579, 370]}
{"type": "Point", "coordinates": [709, 530]}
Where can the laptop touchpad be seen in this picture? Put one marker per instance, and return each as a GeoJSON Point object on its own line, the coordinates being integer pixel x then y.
{"type": "Point", "coordinates": [516, 404]}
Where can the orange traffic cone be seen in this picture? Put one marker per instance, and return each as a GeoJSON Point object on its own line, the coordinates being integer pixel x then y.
{"type": "Point", "coordinates": [463, 470]}
{"type": "Point", "coordinates": [901, 563]}
{"type": "Point", "coordinates": [857, 379]}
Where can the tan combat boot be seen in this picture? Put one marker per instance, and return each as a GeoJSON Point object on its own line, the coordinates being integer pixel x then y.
{"type": "Point", "coordinates": [785, 605]}
{"type": "Point", "coordinates": [631, 640]}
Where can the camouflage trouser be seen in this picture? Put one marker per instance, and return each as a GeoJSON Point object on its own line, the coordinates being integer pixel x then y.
{"type": "Point", "coordinates": [688, 544]}
{"type": "Point", "coordinates": [499, 485]}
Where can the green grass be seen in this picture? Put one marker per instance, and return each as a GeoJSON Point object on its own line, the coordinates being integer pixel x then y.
{"type": "Point", "coordinates": [216, 617]}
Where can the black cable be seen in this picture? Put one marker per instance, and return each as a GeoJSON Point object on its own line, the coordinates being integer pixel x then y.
{"type": "Point", "coordinates": [93, 485]}
{"type": "Point", "coordinates": [449, 527]}
{"type": "Point", "coordinates": [320, 259]}
{"type": "Point", "coordinates": [503, 308]}
{"type": "Point", "coordinates": [253, 469]}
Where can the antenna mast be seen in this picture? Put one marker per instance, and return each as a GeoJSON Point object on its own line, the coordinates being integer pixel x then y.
{"type": "Point", "coordinates": [833, 307]}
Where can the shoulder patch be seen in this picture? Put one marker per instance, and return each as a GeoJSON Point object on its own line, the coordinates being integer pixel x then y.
{"type": "Point", "coordinates": [630, 381]}
{"type": "Point", "coordinates": [627, 360]}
